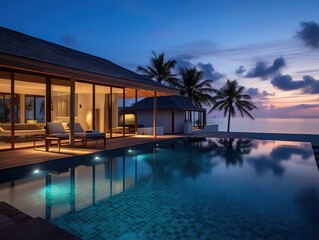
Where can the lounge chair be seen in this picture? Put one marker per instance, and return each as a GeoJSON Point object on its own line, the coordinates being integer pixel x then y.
{"type": "Point", "coordinates": [56, 133]}
{"type": "Point", "coordinates": [80, 133]}
{"type": "Point", "coordinates": [56, 129]}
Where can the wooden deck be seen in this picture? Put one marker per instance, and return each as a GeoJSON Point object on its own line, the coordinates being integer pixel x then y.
{"type": "Point", "coordinates": [22, 157]}
{"type": "Point", "coordinates": [15, 224]}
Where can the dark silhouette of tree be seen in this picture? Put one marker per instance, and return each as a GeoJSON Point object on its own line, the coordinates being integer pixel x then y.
{"type": "Point", "coordinates": [231, 150]}
{"type": "Point", "coordinates": [231, 98]}
{"type": "Point", "coordinates": [160, 70]}
{"type": "Point", "coordinates": [193, 86]}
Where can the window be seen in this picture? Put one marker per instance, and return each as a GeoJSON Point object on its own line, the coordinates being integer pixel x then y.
{"type": "Point", "coordinates": [34, 108]}
{"type": "Point", "coordinates": [5, 108]}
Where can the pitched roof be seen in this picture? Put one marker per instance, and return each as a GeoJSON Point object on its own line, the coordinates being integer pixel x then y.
{"type": "Point", "coordinates": [168, 103]}
{"type": "Point", "coordinates": [22, 45]}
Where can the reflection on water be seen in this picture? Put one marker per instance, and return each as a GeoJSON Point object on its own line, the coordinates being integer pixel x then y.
{"type": "Point", "coordinates": [273, 160]}
{"type": "Point", "coordinates": [231, 150]}
{"type": "Point", "coordinates": [237, 176]}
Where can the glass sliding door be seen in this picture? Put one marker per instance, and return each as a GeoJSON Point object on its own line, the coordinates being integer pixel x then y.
{"type": "Point", "coordinates": [29, 104]}
{"type": "Point", "coordinates": [60, 101]}
{"type": "Point", "coordinates": [84, 105]}
{"type": "Point", "coordinates": [5, 110]}
{"type": "Point", "coordinates": [118, 128]}
{"type": "Point", "coordinates": [129, 113]}
{"type": "Point", "coordinates": [103, 109]}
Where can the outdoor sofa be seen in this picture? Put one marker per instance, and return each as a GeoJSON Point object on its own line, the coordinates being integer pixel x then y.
{"type": "Point", "coordinates": [21, 129]}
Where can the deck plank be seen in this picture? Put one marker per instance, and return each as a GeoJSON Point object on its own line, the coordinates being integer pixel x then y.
{"type": "Point", "coordinates": [12, 226]}
{"type": "Point", "coordinates": [5, 221]}
{"type": "Point", "coordinates": [13, 213]}
{"type": "Point", "coordinates": [22, 229]}
{"type": "Point", "coordinates": [23, 157]}
{"type": "Point", "coordinates": [44, 230]}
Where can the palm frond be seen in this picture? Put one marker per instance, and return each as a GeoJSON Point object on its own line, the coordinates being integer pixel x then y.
{"type": "Point", "coordinates": [231, 98]}
{"type": "Point", "coordinates": [159, 69]}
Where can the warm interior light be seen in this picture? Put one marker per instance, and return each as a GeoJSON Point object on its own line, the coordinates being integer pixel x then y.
{"type": "Point", "coordinates": [129, 118]}
{"type": "Point", "coordinates": [88, 118]}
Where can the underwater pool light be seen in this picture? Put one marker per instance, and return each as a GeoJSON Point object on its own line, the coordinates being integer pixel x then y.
{"type": "Point", "coordinates": [96, 158]}
{"type": "Point", "coordinates": [36, 171]}
{"type": "Point", "coordinates": [130, 150]}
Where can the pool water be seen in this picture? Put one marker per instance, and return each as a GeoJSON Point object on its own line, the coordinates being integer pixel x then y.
{"type": "Point", "coordinates": [204, 189]}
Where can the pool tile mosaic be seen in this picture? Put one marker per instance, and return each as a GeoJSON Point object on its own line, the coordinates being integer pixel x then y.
{"type": "Point", "coordinates": [211, 189]}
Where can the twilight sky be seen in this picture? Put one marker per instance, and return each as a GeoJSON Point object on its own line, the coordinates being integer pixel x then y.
{"type": "Point", "coordinates": [271, 47]}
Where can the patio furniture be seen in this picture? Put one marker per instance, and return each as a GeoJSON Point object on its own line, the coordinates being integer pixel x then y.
{"type": "Point", "coordinates": [20, 129]}
{"type": "Point", "coordinates": [48, 141]}
{"type": "Point", "coordinates": [119, 130]}
{"type": "Point", "coordinates": [56, 133]}
{"type": "Point", "coordinates": [85, 136]}
{"type": "Point", "coordinates": [56, 129]}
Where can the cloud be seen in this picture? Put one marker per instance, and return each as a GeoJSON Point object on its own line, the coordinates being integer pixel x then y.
{"type": "Point", "coordinates": [308, 85]}
{"type": "Point", "coordinates": [264, 71]}
{"type": "Point", "coordinates": [183, 61]}
{"type": "Point", "coordinates": [309, 34]}
{"type": "Point", "coordinates": [209, 71]}
{"type": "Point", "coordinates": [255, 93]}
{"type": "Point", "coordinates": [310, 71]}
{"type": "Point", "coordinates": [69, 41]}
{"type": "Point", "coordinates": [197, 48]}
{"type": "Point", "coordinates": [207, 68]}
{"type": "Point", "coordinates": [295, 110]}
{"type": "Point", "coordinates": [240, 70]}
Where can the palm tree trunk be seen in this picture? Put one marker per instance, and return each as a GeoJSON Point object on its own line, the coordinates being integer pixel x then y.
{"type": "Point", "coordinates": [228, 126]}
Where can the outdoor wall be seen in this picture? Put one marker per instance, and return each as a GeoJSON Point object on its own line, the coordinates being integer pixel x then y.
{"type": "Point", "coordinates": [164, 119]}
{"type": "Point", "coordinates": [179, 121]}
{"type": "Point", "coordinates": [145, 118]}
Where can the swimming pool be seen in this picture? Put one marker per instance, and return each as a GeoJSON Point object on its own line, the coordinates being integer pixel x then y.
{"type": "Point", "coordinates": [203, 189]}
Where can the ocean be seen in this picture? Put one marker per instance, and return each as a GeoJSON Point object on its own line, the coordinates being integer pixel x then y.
{"type": "Point", "coordinates": [304, 125]}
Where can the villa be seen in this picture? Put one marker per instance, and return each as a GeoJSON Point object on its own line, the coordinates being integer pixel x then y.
{"type": "Point", "coordinates": [221, 185]}
{"type": "Point", "coordinates": [44, 82]}
{"type": "Point", "coordinates": [173, 113]}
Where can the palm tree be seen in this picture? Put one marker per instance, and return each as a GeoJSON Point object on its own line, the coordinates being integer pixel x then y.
{"type": "Point", "coordinates": [160, 70]}
{"type": "Point", "coordinates": [192, 86]}
{"type": "Point", "coordinates": [231, 98]}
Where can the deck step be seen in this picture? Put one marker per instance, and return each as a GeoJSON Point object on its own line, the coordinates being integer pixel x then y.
{"type": "Point", "coordinates": [13, 213]}
{"type": "Point", "coordinates": [17, 225]}
{"type": "Point", "coordinates": [5, 222]}
{"type": "Point", "coordinates": [36, 228]}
